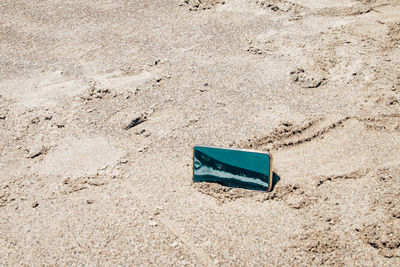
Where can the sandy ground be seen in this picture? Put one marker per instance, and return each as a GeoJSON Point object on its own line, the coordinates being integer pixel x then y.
{"type": "Point", "coordinates": [102, 101]}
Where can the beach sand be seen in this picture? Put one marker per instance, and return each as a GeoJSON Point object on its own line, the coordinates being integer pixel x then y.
{"type": "Point", "coordinates": [102, 101]}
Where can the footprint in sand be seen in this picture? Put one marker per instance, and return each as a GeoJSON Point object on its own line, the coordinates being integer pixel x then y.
{"type": "Point", "coordinates": [44, 89]}
{"type": "Point", "coordinates": [78, 157]}
{"type": "Point", "coordinates": [338, 151]}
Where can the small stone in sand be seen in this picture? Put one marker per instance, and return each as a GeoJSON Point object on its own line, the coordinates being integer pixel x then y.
{"type": "Point", "coordinates": [152, 223]}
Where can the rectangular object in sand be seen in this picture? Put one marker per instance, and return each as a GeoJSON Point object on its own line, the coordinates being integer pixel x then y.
{"type": "Point", "coordinates": [232, 167]}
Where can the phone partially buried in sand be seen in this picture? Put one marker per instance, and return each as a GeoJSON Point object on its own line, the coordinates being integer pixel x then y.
{"type": "Point", "coordinates": [232, 167]}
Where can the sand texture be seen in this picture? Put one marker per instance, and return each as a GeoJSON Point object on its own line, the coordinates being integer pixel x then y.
{"type": "Point", "coordinates": [102, 101]}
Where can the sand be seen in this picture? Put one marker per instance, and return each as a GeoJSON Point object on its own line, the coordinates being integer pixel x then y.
{"type": "Point", "coordinates": [101, 103]}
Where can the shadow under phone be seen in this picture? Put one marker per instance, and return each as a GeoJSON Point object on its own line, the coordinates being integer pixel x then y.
{"type": "Point", "coordinates": [275, 179]}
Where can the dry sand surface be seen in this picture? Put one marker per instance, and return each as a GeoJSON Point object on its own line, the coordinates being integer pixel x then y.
{"type": "Point", "coordinates": [102, 101]}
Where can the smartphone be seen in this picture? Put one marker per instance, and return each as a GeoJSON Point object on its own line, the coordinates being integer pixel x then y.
{"type": "Point", "coordinates": [233, 167]}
